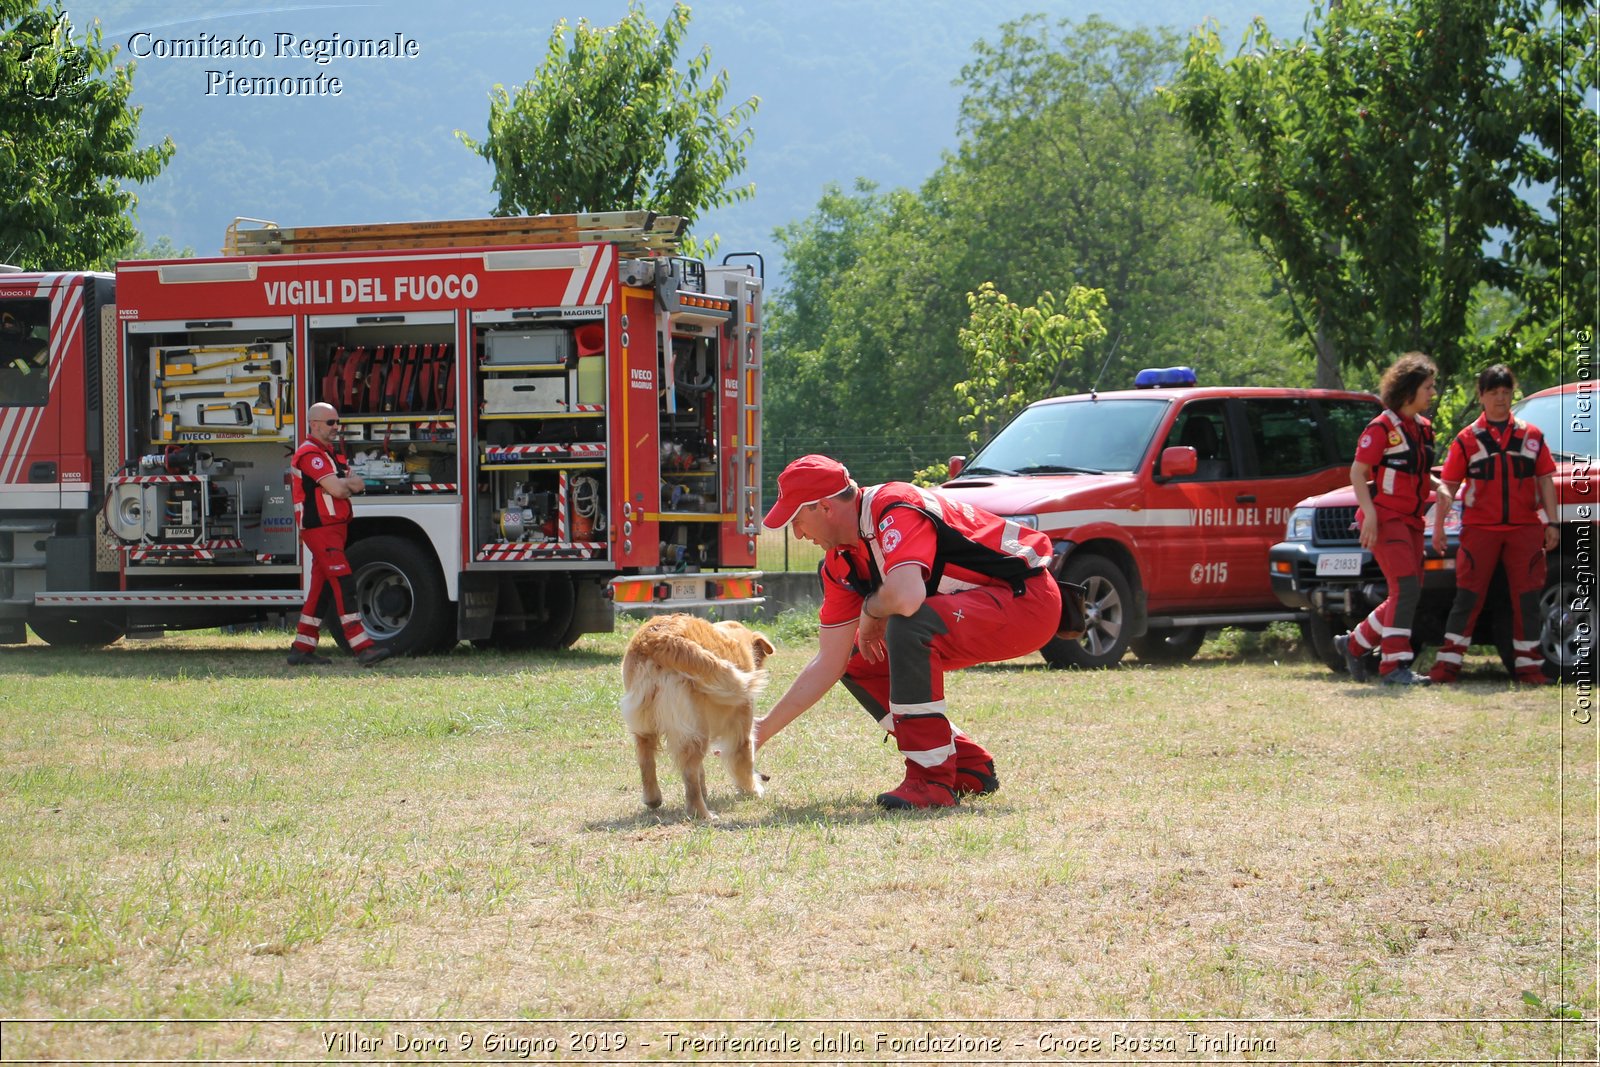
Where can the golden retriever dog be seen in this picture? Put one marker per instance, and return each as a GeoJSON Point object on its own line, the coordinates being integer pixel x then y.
{"type": "Point", "coordinates": [689, 684]}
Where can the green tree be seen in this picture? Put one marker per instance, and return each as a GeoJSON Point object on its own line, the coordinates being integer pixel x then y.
{"type": "Point", "coordinates": [807, 319]}
{"type": "Point", "coordinates": [609, 122]}
{"type": "Point", "coordinates": [68, 142]}
{"type": "Point", "coordinates": [1018, 354]}
{"type": "Point", "coordinates": [1070, 172]}
{"type": "Point", "coordinates": [1552, 254]}
{"type": "Point", "coordinates": [1373, 165]}
{"type": "Point", "coordinates": [141, 248]}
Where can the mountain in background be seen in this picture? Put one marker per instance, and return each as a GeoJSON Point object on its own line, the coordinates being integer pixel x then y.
{"type": "Point", "coordinates": [847, 90]}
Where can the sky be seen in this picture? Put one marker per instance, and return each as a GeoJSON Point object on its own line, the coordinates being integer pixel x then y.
{"type": "Point", "coordinates": [848, 91]}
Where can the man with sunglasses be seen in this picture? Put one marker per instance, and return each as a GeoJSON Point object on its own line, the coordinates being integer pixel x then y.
{"type": "Point", "coordinates": [322, 485]}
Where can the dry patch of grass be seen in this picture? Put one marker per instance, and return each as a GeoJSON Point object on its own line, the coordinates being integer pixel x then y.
{"type": "Point", "coordinates": [194, 833]}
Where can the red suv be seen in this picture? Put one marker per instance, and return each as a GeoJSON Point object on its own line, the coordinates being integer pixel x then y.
{"type": "Point", "coordinates": [1163, 501]}
{"type": "Point", "coordinates": [1321, 568]}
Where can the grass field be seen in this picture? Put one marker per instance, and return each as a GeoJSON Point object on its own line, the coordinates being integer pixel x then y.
{"type": "Point", "coordinates": [1248, 858]}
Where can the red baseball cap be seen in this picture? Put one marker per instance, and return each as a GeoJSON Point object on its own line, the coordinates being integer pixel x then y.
{"type": "Point", "coordinates": [806, 481]}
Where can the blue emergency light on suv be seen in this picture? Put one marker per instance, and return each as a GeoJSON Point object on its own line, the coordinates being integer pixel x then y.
{"type": "Point", "coordinates": [1164, 378]}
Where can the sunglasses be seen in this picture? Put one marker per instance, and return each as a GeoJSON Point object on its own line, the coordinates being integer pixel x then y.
{"type": "Point", "coordinates": [330, 422]}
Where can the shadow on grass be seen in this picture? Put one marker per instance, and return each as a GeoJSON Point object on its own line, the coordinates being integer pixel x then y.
{"type": "Point", "coordinates": [140, 659]}
{"type": "Point", "coordinates": [1484, 680]}
{"type": "Point", "coordinates": [1132, 663]}
{"type": "Point", "coordinates": [752, 814]}
{"type": "Point", "coordinates": [1309, 671]}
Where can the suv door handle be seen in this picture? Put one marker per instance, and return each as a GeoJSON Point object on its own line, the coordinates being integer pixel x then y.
{"type": "Point", "coordinates": [1245, 498]}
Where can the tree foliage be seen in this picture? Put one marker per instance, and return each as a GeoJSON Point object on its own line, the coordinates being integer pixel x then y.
{"type": "Point", "coordinates": [1018, 354]}
{"type": "Point", "coordinates": [1069, 173]}
{"type": "Point", "coordinates": [140, 247]}
{"type": "Point", "coordinates": [609, 122]}
{"type": "Point", "coordinates": [68, 142]}
{"type": "Point", "coordinates": [1375, 165]}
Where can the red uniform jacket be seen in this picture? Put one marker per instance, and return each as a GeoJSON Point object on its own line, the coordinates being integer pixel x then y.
{"type": "Point", "coordinates": [956, 545]}
{"type": "Point", "coordinates": [1400, 451]}
{"type": "Point", "coordinates": [310, 464]}
{"type": "Point", "coordinates": [1499, 472]}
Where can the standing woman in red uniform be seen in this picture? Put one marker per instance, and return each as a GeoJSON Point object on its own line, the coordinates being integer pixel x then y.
{"type": "Point", "coordinates": [1396, 453]}
{"type": "Point", "coordinates": [1505, 474]}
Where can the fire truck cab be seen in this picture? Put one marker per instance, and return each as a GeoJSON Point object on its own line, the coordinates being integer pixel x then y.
{"type": "Point", "coordinates": [551, 414]}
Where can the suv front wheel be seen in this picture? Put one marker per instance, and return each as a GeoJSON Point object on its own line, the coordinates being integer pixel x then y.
{"type": "Point", "coordinates": [1106, 605]}
{"type": "Point", "coordinates": [1318, 631]}
{"type": "Point", "coordinates": [1177, 644]}
{"type": "Point", "coordinates": [1562, 630]}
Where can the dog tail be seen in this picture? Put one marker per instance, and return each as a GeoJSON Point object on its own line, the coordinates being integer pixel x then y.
{"type": "Point", "coordinates": [711, 674]}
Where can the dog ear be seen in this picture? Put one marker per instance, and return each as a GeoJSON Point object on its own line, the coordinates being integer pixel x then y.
{"type": "Point", "coordinates": [761, 647]}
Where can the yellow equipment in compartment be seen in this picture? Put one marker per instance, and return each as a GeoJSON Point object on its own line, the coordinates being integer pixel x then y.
{"type": "Point", "coordinates": [226, 390]}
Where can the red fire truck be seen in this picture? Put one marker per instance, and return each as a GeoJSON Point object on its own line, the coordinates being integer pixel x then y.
{"type": "Point", "coordinates": [552, 414]}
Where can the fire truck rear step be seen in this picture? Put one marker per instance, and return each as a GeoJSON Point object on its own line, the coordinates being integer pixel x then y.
{"type": "Point", "coordinates": [135, 598]}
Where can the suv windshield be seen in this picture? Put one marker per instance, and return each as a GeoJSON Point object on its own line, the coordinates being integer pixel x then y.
{"type": "Point", "coordinates": [1567, 419]}
{"type": "Point", "coordinates": [1078, 436]}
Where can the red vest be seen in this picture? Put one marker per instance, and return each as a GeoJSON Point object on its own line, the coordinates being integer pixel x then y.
{"type": "Point", "coordinates": [310, 464]}
{"type": "Point", "coordinates": [972, 547]}
{"type": "Point", "coordinates": [1402, 478]}
{"type": "Point", "coordinates": [1500, 484]}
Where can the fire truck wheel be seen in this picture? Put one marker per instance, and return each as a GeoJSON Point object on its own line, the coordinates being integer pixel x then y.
{"type": "Point", "coordinates": [1106, 605]}
{"type": "Point", "coordinates": [1175, 645]}
{"type": "Point", "coordinates": [400, 595]}
{"type": "Point", "coordinates": [66, 632]}
{"type": "Point", "coordinates": [550, 606]}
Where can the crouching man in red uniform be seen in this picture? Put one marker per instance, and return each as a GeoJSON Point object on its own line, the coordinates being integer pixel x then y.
{"type": "Point", "coordinates": [321, 485]}
{"type": "Point", "coordinates": [915, 584]}
{"type": "Point", "coordinates": [1504, 473]}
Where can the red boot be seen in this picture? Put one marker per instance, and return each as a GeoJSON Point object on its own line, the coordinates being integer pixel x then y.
{"type": "Point", "coordinates": [974, 768]}
{"type": "Point", "coordinates": [928, 743]}
{"type": "Point", "coordinates": [918, 792]}
{"type": "Point", "coordinates": [977, 780]}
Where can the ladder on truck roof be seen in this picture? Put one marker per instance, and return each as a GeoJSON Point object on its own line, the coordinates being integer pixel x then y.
{"type": "Point", "coordinates": [636, 233]}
